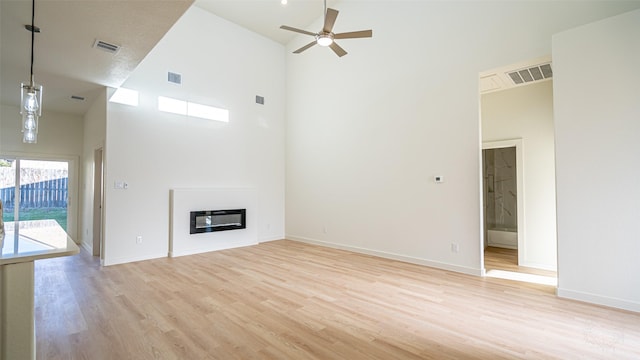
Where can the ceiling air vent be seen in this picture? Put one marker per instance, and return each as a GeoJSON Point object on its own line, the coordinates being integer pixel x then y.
{"type": "Point", "coordinates": [105, 46]}
{"type": "Point", "coordinates": [76, 97]}
{"type": "Point", "coordinates": [174, 78]}
{"type": "Point", "coordinates": [530, 74]}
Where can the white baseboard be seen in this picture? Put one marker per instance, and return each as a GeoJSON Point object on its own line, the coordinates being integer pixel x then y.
{"type": "Point", "coordinates": [124, 260]}
{"type": "Point", "coordinates": [87, 247]}
{"type": "Point", "coordinates": [271, 238]}
{"type": "Point", "coordinates": [392, 256]}
{"type": "Point", "coordinates": [538, 266]}
{"type": "Point", "coordinates": [223, 246]}
{"type": "Point", "coordinates": [599, 299]}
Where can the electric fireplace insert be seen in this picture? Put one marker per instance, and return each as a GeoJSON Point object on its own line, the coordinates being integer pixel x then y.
{"type": "Point", "coordinates": [218, 220]}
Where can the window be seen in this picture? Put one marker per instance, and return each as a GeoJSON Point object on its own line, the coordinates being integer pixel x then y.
{"type": "Point", "coordinates": [191, 109]}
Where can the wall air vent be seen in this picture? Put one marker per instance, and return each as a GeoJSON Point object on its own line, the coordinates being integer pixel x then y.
{"type": "Point", "coordinates": [530, 74]}
{"type": "Point", "coordinates": [105, 46]}
{"type": "Point", "coordinates": [174, 78]}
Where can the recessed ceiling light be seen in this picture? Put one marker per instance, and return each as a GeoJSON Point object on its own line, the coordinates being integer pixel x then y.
{"type": "Point", "coordinates": [283, 2]}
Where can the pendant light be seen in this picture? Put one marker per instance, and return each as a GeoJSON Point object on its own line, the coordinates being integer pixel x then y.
{"type": "Point", "coordinates": [31, 94]}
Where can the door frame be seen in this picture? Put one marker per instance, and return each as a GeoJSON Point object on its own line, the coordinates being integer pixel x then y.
{"type": "Point", "coordinates": [520, 198]}
{"type": "Point", "coordinates": [98, 203]}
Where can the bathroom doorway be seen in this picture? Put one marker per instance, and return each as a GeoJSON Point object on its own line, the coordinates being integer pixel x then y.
{"type": "Point", "coordinates": [503, 186]}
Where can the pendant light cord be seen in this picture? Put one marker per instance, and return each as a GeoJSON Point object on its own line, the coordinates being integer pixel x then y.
{"type": "Point", "coordinates": [33, 34]}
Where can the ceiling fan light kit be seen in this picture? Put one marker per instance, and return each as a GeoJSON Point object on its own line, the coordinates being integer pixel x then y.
{"type": "Point", "coordinates": [326, 37]}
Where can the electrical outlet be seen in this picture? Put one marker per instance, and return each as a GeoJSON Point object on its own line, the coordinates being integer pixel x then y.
{"type": "Point", "coordinates": [455, 248]}
{"type": "Point", "coordinates": [139, 239]}
{"type": "Point", "coordinates": [324, 229]}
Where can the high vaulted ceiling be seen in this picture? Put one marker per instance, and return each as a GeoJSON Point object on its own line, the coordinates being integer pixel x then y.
{"type": "Point", "coordinates": [265, 16]}
{"type": "Point", "coordinates": [67, 64]}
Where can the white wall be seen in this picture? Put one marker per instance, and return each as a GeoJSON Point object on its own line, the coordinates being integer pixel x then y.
{"type": "Point", "coordinates": [222, 65]}
{"type": "Point", "coordinates": [59, 138]}
{"type": "Point", "coordinates": [94, 138]}
{"type": "Point", "coordinates": [58, 133]}
{"type": "Point", "coordinates": [597, 117]}
{"type": "Point", "coordinates": [526, 112]}
{"type": "Point", "coordinates": [366, 133]}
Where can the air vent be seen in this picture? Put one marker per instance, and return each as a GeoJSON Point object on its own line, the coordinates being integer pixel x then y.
{"type": "Point", "coordinates": [105, 46]}
{"type": "Point", "coordinates": [174, 78]}
{"type": "Point", "coordinates": [259, 99]}
{"type": "Point", "coordinates": [531, 74]}
{"type": "Point", "coordinates": [76, 97]}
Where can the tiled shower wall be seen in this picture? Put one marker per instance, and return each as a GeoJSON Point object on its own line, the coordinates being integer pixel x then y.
{"type": "Point", "coordinates": [500, 188]}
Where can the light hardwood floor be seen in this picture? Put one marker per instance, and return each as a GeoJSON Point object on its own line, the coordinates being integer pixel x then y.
{"type": "Point", "coordinates": [507, 259]}
{"type": "Point", "coordinates": [289, 300]}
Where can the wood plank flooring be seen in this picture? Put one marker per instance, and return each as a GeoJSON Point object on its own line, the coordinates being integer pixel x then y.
{"type": "Point", "coordinates": [289, 300]}
{"type": "Point", "coordinates": [496, 258]}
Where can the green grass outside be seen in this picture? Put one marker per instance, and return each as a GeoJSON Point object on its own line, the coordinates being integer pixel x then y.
{"type": "Point", "coordinates": [57, 214]}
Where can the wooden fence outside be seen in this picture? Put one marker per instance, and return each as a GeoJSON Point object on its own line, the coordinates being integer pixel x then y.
{"type": "Point", "coordinates": [42, 194]}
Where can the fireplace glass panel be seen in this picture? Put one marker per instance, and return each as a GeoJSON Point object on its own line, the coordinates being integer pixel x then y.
{"type": "Point", "coordinates": [205, 221]}
{"type": "Point", "coordinates": [217, 220]}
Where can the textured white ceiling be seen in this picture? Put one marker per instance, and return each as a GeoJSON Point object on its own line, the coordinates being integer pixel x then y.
{"type": "Point", "coordinates": [65, 63]}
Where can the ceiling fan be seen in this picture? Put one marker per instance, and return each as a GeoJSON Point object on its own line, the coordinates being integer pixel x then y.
{"type": "Point", "coordinates": [326, 37]}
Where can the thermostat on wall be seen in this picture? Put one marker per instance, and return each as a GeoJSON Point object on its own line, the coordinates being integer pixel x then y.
{"type": "Point", "coordinates": [438, 179]}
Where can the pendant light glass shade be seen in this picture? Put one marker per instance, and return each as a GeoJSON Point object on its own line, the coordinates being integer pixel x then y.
{"type": "Point", "coordinates": [31, 109]}
{"type": "Point", "coordinates": [31, 99]}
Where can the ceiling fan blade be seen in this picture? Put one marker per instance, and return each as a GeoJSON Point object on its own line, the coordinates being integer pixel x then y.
{"type": "Point", "coordinates": [337, 49]}
{"type": "Point", "coordinates": [285, 27]}
{"type": "Point", "coordinates": [305, 47]}
{"type": "Point", "coordinates": [354, 34]}
{"type": "Point", "coordinates": [330, 20]}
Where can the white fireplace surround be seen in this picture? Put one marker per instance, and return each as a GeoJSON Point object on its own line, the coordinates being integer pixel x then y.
{"type": "Point", "coordinates": [183, 201]}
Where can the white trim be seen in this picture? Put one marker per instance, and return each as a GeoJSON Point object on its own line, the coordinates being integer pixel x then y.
{"type": "Point", "coordinates": [86, 246]}
{"type": "Point", "coordinates": [130, 259]}
{"type": "Point", "coordinates": [271, 238]}
{"type": "Point", "coordinates": [392, 256]}
{"type": "Point", "coordinates": [598, 299]}
{"type": "Point", "coordinates": [194, 251]}
{"type": "Point", "coordinates": [519, 145]}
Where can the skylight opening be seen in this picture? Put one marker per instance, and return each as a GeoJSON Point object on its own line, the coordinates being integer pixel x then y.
{"type": "Point", "coordinates": [125, 96]}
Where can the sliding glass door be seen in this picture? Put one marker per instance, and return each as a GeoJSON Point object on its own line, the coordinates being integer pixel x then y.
{"type": "Point", "coordinates": [34, 189]}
